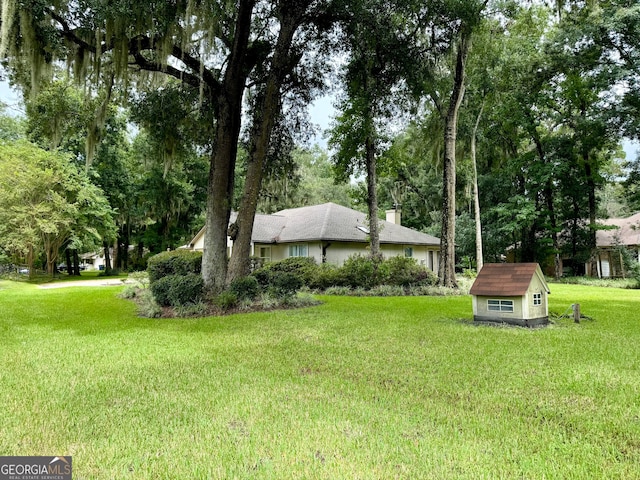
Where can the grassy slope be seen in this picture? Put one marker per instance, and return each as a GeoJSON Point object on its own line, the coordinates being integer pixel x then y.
{"type": "Point", "coordinates": [356, 388]}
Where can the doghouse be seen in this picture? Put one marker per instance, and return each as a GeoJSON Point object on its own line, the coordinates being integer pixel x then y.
{"type": "Point", "coordinates": [513, 293]}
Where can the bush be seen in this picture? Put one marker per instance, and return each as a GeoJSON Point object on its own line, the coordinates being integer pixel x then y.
{"type": "Point", "coordinates": [327, 276]}
{"type": "Point", "coordinates": [364, 271]}
{"type": "Point", "coordinates": [303, 267]}
{"type": "Point", "coordinates": [192, 310]}
{"type": "Point", "coordinates": [175, 262]}
{"type": "Point", "coordinates": [147, 306]}
{"type": "Point", "coordinates": [177, 290]}
{"type": "Point", "coordinates": [405, 271]}
{"type": "Point", "coordinates": [387, 291]}
{"type": "Point", "coordinates": [226, 300]}
{"type": "Point", "coordinates": [284, 284]}
{"type": "Point", "coordinates": [129, 292]}
{"type": "Point", "coordinates": [246, 288]}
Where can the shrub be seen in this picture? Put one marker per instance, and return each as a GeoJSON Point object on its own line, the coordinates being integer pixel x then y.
{"type": "Point", "coordinates": [302, 300]}
{"type": "Point", "coordinates": [175, 262]}
{"type": "Point", "coordinates": [387, 291]}
{"type": "Point", "coordinates": [192, 310]}
{"type": "Point", "coordinates": [327, 276]}
{"type": "Point", "coordinates": [140, 279]}
{"type": "Point", "coordinates": [160, 290]}
{"type": "Point", "coordinates": [364, 271]}
{"type": "Point", "coordinates": [246, 288]}
{"type": "Point", "coordinates": [147, 306]}
{"type": "Point", "coordinates": [341, 291]}
{"type": "Point", "coordinates": [303, 267]}
{"type": "Point", "coordinates": [226, 300]}
{"type": "Point", "coordinates": [129, 292]}
{"type": "Point", "coordinates": [405, 271]}
{"type": "Point", "coordinates": [176, 290]}
{"type": "Point", "coordinates": [284, 284]}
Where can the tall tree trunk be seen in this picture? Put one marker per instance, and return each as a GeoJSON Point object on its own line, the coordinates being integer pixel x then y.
{"type": "Point", "coordinates": [551, 211]}
{"type": "Point", "coordinates": [115, 258]}
{"type": "Point", "coordinates": [476, 195]}
{"type": "Point", "coordinates": [223, 158]}
{"type": "Point", "coordinates": [76, 263]}
{"type": "Point", "coordinates": [67, 254]}
{"type": "Point", "coordinates": [30, 260]}
{"type": "Point", "coordinates": [372, 196]}
{"type": "Point", "coordinates": [593, 205]}
{"type": "Point", "coordinates": [268, 110]}
{"type": "Point", "coordinates": [557, 262]}
{"type": "Point", "coordinates": [447, 272]}
{"type": "Point", "coordinates": [107, 258]}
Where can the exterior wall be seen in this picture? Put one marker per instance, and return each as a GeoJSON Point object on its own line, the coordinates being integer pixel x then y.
{"type": "Point", "coordinates": [338, 252]}
{"type": "Point", "coordinates": [536, 311]}
{"type": "Point", "coordinates": [481, 310]}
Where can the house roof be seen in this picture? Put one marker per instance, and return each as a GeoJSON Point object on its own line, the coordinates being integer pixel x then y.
{"type": "Point", "coordinates": [327, 222]}
{"type": "Point", "coordinates": [331, 222]}
{"type": "Point", "coordinates": [506, 279]}
{"type": "Point", "coordinates": [623, 231]}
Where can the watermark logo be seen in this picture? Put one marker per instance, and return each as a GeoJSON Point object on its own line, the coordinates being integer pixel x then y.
{"type": "Point", "coordinates": [35, 468]}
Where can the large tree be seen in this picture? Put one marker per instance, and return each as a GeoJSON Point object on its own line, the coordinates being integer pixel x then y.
{"type": "Point", "coordinates": [383, 47]}
{"type": "Point", "coordinates": [301, 24]}
{"type": "Point", "coordinates": [46, 202]}
{"type": "Point", "coordinates": [211, 47]}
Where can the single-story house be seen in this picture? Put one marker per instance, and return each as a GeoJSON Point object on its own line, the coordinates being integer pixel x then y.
{"type": "Point", "coordinates": [331, 233]}
{"type": "Point", "coordinates": [513, 293]}
{"type": "Point", "coordinates": [93, 260]}
{"type": "Point", "coordinates": [621, 232]}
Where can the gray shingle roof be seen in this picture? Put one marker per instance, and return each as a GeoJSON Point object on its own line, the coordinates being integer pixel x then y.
{"type": "Point", "coordinates": [626, 231]}
{"type": "Point", "coordinates": [327, 222]}
{"type": "Point", "coordinates": [330, 222]}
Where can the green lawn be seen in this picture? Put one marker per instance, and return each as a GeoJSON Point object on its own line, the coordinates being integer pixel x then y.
{"type": "Point", "coordinates": [358, 388]}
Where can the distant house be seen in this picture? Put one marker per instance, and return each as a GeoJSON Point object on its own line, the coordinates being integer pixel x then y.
{"type": "Point", "coordinates": [331, 233]}
{"type": "Point", "coordinates": [513, 293]}
{"type": "Point", "coordinates": [621, 232]}
{"type": "Point", "coordinates": [93, 260]}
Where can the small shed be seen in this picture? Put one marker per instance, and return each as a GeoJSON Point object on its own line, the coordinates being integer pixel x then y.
{"type": "Point", "coordinates": [513, 293]}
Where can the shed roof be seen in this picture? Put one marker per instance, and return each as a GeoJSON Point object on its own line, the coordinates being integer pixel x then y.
{"type": "Point", "coordinates": [506, 279]}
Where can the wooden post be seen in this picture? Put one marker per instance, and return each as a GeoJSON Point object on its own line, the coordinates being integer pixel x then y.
{"type": "Point", "coordinates": [576, 312]}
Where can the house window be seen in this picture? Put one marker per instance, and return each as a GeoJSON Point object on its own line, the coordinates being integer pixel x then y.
{"type": "Point", "coordinates": [537, 299]}
{"type": "Point", "coordinates": [408, 252]}
{"type": "Point", "coordinates": [500, 305]}
{"type": "Point", "coordinates": [265, 254]}
{"type": "Point", "coordinates": [297, 250]}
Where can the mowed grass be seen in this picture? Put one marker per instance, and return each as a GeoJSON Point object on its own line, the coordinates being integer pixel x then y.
{"type": "Point", "coordinates": [358, 388]}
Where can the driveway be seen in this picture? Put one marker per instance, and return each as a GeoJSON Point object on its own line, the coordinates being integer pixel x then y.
{"type": "Point", "coordinates": [105, 282]}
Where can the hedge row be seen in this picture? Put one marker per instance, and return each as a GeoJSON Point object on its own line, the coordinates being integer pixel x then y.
{"type": "Point", "coordinates": [176, 281]}
{"type": "Point", "coordinates": [358, 271]}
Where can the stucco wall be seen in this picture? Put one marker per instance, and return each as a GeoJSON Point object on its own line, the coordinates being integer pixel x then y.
{"type": "Point", "coordinates": [338, 252]}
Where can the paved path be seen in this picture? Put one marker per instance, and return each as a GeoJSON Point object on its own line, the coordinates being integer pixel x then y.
{"type": "Point", "coordinates": [104, 282]}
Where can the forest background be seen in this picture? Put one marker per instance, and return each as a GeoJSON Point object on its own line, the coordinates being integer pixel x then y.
{"type": "Point", "coordinates": [501, 121]}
